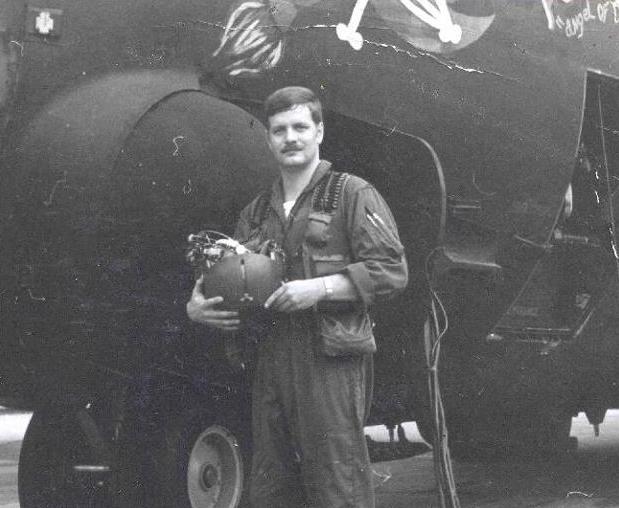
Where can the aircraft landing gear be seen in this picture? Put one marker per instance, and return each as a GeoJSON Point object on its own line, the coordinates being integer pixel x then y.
{"type": "Point", "coordinates": [205, 461]}
{"type": "Point", "coordinates": [543, 432]}
{"type": "Point", "coordinates": [540, 436]}
{"type": "Point", "coordinates": [64, 462]}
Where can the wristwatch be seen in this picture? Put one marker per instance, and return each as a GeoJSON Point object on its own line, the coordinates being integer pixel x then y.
{"type": "Point", "coordinates": [328, 288]}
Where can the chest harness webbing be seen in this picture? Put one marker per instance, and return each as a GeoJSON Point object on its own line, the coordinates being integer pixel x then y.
{"type": "Point", "coordinates": [325, 197]}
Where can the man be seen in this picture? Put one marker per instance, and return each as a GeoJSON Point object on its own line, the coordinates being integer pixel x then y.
{"type": "Point", "coordinates": [312, 382]}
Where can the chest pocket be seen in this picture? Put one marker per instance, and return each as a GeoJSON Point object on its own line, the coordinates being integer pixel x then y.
{"type": "Point", "coordinates": [317, 232]}
{"type": "Point", "coordinates": [326, 240]}
{"type": "Point", "coordinates": [325, 202]}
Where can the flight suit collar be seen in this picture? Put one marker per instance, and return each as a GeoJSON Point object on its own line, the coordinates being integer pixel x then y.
{"type": "Point", "coordinates": [320, 171]}
{"type": "Point", "coordinates": [277, 192]}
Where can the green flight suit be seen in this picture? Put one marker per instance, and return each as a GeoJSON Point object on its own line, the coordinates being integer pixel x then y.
{"type": "Point", "coordinates": [313, 378]}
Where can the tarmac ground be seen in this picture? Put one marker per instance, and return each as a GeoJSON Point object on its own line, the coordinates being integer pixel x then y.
{"type": "Point", "coordinates": [587, 478]}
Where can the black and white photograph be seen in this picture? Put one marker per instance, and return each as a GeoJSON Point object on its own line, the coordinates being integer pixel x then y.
{"type": "Point", "coordinates": [309, 253]}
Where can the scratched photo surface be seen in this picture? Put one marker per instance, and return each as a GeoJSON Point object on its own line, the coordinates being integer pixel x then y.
{"type": "Point", "coordinates": [132, 135]}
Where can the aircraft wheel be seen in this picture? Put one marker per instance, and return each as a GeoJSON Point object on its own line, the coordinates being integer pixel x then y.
{"type": "Point", "coordinates": [54, 465]}
{"type": "Point", "coordinates": [423, 414]}
{"type": "Point", "coordinates": [425, 428]}
{"type": "Point", "coordinates": [542, 435]}
{"type": "Point", "coordinates": [211, 459]}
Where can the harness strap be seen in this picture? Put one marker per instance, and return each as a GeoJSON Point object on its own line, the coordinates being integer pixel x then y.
{"type": "Point", "coordinates": [326, 195]}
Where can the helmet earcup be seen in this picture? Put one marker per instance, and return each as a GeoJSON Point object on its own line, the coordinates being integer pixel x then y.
{"type": "Point", "coordinates": [244, 281]}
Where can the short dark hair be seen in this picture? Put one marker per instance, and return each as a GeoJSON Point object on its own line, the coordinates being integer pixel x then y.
{"type": "Point", "coordinates": [290, 96]}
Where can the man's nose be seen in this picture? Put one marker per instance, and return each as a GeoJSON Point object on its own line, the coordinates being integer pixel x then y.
{"type": "Point", "coordinates": [291, 135]}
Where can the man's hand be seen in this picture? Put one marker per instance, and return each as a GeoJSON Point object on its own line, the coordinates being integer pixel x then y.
{"type": "Point", "coordinates": [202, 310]}
{"type": "Point", "coordinates": [296, 295]}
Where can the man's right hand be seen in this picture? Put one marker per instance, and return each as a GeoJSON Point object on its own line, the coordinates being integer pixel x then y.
{"type": "Point", "coordinates": [202, 310]}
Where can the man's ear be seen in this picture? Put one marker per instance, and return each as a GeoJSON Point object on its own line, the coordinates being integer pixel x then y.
{"type": "Point", "coordinates": [321, 131]}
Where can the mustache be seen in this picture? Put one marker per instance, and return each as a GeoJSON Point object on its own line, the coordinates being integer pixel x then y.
{"type": "Point", "coordinates": [291, 148]}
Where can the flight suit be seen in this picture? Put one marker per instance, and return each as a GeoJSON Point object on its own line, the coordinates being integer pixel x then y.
{"type": "Point", "coordinates": [313, 377]}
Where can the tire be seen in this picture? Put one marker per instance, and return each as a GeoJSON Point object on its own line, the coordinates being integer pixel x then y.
{"type": "Point", "coordinates": [546, 434]}
{"type": "Point", "coordinates": [542, 435]}
{"type": "Point", "coordinates": [533, 432]}
{"type": "Point", "coordinates": [54, 444]}
{"type": "Point", "coordinates": [205, 462]}
{"type": "Point", "coordinates": [423, 420]}
{"type": "Point", "coordinates": [420, 401]}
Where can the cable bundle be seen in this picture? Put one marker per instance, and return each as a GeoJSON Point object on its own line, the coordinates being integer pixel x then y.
{"type": "Point", "coordinates": [433, 333]}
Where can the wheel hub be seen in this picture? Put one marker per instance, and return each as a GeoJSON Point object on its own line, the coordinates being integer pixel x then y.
{"type": "Point", "coordinates": [210, 476]}
{"type": "Point", "coordinates": [215, 470]}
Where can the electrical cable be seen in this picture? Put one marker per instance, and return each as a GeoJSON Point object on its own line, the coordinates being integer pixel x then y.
{"type": "Point", "coordinates": [433, 335]}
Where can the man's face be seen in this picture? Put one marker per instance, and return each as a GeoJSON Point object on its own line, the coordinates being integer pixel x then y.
{"type": "Point", "coordinates": [294, 137]}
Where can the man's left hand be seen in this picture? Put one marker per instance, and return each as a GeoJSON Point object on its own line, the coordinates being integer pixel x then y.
{"type": "Point", "coordinates": [296, 295]}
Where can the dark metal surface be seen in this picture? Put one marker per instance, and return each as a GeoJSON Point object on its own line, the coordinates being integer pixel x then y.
{"type": "Point", "coordinates": [499, 111]}
{"type": "Point", "coordinates": [137, 123]}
